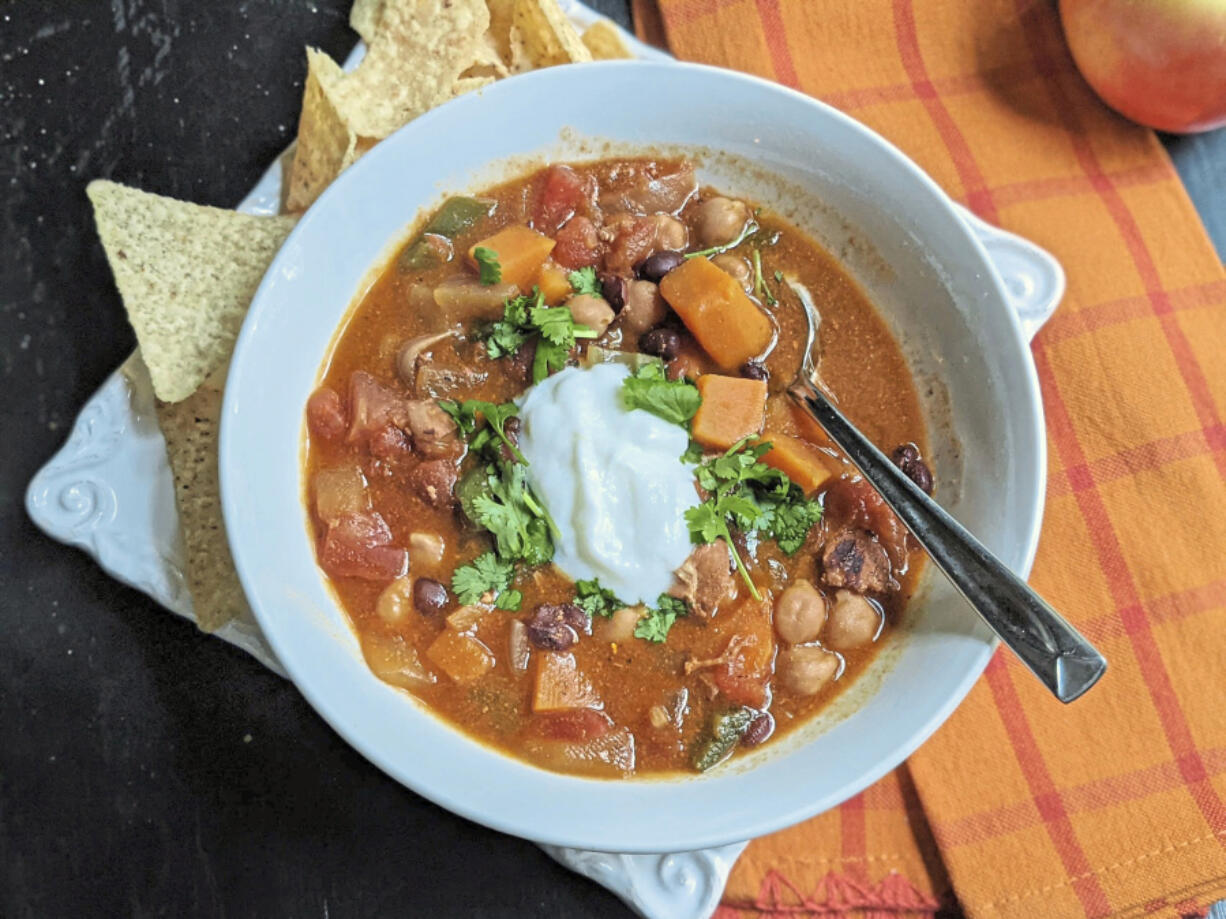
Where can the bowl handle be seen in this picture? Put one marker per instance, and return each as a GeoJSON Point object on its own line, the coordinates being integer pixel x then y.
{"type": "Point", "coordinates": [1033, 279]}
{"type": "Point", "coordinates": [668, 885]}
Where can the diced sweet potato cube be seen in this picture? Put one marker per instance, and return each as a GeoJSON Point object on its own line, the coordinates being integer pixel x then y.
{"type": "Point", "coordinates": [521, 252]}
{"type": "Point", "coordinates": [732, 408]}
{"type": "Point", "coordinates": [716, 310]}
{"type": "Point", "coordinates": [559, 686]}
{"type": "Point", "coordinates": [803, 463]}
{"type": "Point", "coordinates": [554, 283]}
{"type": "Point", "coordinates": [461, 656]}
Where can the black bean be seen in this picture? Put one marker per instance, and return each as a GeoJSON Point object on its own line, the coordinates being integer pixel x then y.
{"type": "Point", "coordinates": [907, 458]}
{"type": "Point", "coordinates": [429, 596]}
{"type": "Point", "coordinates": [614, 289]}
{"type": "Point", "coordinates": [762, 727]}
{"type": "Point", "coordinates": [663, 343]}
{"type": "Point", "coordinates": [655, 266]}
{"type": "Point", "coordinates": [755, 370]}
{"type": "Point", "coordinates": [553, 627]}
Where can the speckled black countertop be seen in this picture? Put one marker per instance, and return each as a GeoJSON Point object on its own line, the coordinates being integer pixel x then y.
{"type": "Point", "coordinates": [147, 769]}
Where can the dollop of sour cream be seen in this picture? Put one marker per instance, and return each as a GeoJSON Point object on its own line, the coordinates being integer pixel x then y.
{"type": "Point", "coordinates": [611, 478]}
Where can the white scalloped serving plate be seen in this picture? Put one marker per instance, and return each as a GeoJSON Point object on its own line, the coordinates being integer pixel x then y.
{"type": "Point", "coordinates": [109, 491]}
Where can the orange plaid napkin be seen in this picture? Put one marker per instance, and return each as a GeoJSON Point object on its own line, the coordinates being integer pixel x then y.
{"type": "Point", "coordinates": [1113, 806]}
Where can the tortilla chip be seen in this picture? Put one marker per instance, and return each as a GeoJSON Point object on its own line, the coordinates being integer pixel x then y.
{"type": "Point", "coordinates": [326, 146]}
{"type": "Point", "coordinates": [364, 18]}
{"type": "Point", "coordinates": [604, 40]}
{"type": "Point", "coordinates": [488, 60]}
{"type": "Point", "coordinates": [548, 36]}
{"type": "Point", "coordinates": [521, 60]}
{"type": "Point", "coordinates": [502, 14]}
{"type": "Point", "coordinates": [190, 428]}
{"type": "Point", "coordinates": [187, 274]}
{"type": "Point", "coordinates": [419, 51]}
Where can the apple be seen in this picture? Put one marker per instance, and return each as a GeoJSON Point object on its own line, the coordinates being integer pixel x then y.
{"type": "Point", "coordinates": [1159, 62]}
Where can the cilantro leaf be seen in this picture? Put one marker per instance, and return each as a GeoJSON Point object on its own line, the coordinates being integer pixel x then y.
{"type": "Point", "coordinates": [655, 623]}
{"type": "Point", "coordinates": [526, 317]}
{"type": "Point", "coordinates": [650, 389]}
{"type": "Point", "coordinates": [495, 415]}
{"type": "Point", "coordinates": [509, 600]}
{"type": "Point", "coordinates": [487, 264]}
{"type": "Point", "coordinates": [584, 281]}
{"type": "Point", "coordinates": [596, 600]}
{"type": "Point", "coordinates": [555, 324]}
{"type": "Point", "coordinates": [748, 494]}
{"type": "Point", "coordinates": [503, 504]}
{"type": "Point", "coordinates": [504, 339]}
{"type": "Point", "coordinates": [484, 574]}
{"type": "Point", "coordinates": [508, 334]}
{"type": "Point", "coordinates": [548, 359]}
{"type": "Point", "coordinates": [791, 522]}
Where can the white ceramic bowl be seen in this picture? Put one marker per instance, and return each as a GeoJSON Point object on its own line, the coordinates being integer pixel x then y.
{"type": "Point", "coordinates": [896, 231]}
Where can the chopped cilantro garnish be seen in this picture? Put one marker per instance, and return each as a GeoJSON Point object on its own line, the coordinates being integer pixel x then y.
{"type": "Point", "coordinates": [583, 281]}
{"type": "Point", "coordinates": [656, 621]}
{"type": "Point", "coordinates": [595, 600]}
{"type": "Point", "coordinates": [650, 389]}
{"type": "Point", "coordinates": [484, 574]}
{"type": "Point", "coordinates": [652, 626]}
{"type": "Point", "coordinates": [509, 600]}
{"type": "Point", "coordinates": [748, 494]}
{"type": "Point", "coordinates": [790, 523]}
{"type": "Point", "coordinates": [527, 317]}
{"type": "Point", "coordinates": [496, 497]}
{"type": "Point", "coordinates": [779, 276]}
{"type": "Point", "coordinates": [487, 264]}
{"type": "Point", "coordinates": [465, 416]}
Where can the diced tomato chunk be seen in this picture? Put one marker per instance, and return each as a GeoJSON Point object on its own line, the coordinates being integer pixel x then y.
{"type": "Point", "coordinates": [373, 406]}
{"type": "Point", "coordinates": [578, 246]}
{"type": "Point", "coordinates": [564, 194]}
{"type": "Point", "coordinates": [326, 414]}
{"type": "Point", "coordinates": [632, 240]}
{"type": "Point", "coordinates": [360, 546]}
{"type": "Point", "coordinates": [576, 726]}
{"type": "Point", "coordinates": [739, 688]}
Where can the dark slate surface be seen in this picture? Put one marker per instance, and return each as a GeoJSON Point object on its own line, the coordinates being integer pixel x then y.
{"type": "Point", "coordinates": [146, 769]}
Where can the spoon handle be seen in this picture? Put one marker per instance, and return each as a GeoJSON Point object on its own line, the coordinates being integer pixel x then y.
{"type": "Point", "coordinates": [1054, 651]}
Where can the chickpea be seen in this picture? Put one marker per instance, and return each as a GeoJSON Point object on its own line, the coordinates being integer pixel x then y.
{"type": "Point", "coordinates": [720, 220]}
{"type": "Point", "coordinates": [671, 233]}
{"type": "Point", "coordinates": [425, 549]}
{"type": "Point", "coordinates": [645, 309]}
{"type": "Point", "coordinates": [854, 621]}
{"type": "Point", "coordinates": [735, 266]}
{"type": "Point", "coordinates": [395, 601]}
{"type": "Point", "coordinates": [591, 311]}
{"type": "Point", "coordinates": [800, 612]}
{"type": "Point", "coordinates": [805, 669]}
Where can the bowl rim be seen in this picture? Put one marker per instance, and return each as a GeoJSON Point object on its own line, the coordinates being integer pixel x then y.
{"type": "Point", "coordinates": [574, 835]}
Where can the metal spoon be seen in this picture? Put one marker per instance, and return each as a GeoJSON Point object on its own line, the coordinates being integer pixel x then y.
{"type": "Point", "coordinates": [1054, 651]}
